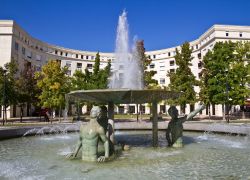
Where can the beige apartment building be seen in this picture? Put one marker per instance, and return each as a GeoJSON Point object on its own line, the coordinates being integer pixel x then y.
{"type": "Point", "coordinates": [16, 44]}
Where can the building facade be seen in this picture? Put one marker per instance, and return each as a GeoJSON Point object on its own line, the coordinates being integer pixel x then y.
{"type": "Point", "coordinates": [16, 44]}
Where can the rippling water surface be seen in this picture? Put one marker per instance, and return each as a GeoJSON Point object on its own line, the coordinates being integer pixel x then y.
{"type": "Point", "coordinates": [204, 156]}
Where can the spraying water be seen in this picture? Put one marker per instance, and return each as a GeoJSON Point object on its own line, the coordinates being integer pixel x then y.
{"type": "Point", "coordinates": [126, 69]}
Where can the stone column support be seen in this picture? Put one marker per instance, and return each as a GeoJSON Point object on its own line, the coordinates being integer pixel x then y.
{"type": "Point", "coordinates": [111, 110]}
{"type": "Point", "coordinates": [154, 124]}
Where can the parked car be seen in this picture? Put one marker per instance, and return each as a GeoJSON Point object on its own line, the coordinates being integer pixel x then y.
{"type": "Point", "coordinates": [40, 111]}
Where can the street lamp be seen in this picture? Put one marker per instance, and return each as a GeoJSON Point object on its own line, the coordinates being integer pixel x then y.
{"type": "Point", "coordinates": [4, 96]}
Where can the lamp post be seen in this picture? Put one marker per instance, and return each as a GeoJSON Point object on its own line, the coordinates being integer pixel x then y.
{"type": "Point", "coordinates": [4, 95]}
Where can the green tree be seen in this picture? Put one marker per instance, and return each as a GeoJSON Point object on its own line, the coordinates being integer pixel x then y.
{"type": "Point", "coordinates": [8, 92]}
{"type": "Point", "coordinates": [27, 88]}
{"type": "Point", "coordinates": [96, 80]}
{"type": "Point", "coordinates": [96, 68]}
{"type": "Point", "coordinates": [99, 77]}
{"type": "Point", "coordinates": [225, 74]}
{"type": "Point", "coordinates": [183, 79]}
{"type": "Point", "coordinates": [54, 84]}
{"type": "Point", "coordinates": [239, 74]}
{"type": "Point", "coordinates": [87, 80]}
{"type": "Point", "coordinates": [103, 77]}
{"type": "Point", "coordinates": [204, 95]}
{"type": "Point", "coordinates": [149, 82]}
{"type": "Point", "coordinates": [79, 80]}
{"type": "Point", "coordinates": [215, 72]}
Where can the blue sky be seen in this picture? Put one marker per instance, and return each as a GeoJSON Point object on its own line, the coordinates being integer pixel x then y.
{"type": "Point", "coordinates": [91, 24]}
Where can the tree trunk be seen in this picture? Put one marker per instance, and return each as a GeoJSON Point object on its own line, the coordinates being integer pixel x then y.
{"type": "Point", "coordinates": [183, 108]}
{"type": "Point", "coordinates": [154, 124]}
{"type": "Point", "coordinates": [52, 115]}
{"type": "Point", "coordinates": [21, 119]}
{"type": "Point", "coordinates": [228, 115]}
{"type": "Point", "coordinates": [223, 111]}
{"type": "Point", "coordinates": [140, 113]}
{"type": "Point", "coordinates": [209, 112]}
{"type": "Point", "coordinates": [78, 111]}
{"type": "Point", "coordinates": [243, 114]}
{"type": "Point", "coordinates": [60, 109]}
{"type": "Point", "coordinates": [3, 115]}
{"type": "Point", "coordinates": [5, 112]}
{"type": "Point", "coordinates": [28, 109]}
{"type": "Point", "coordinates": [137, 113]}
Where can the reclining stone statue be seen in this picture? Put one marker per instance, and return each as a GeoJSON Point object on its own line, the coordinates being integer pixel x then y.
{"type": "Point", "coordinates": [90, 135]}
{"type": "Point", "coordinates": [175, 126]}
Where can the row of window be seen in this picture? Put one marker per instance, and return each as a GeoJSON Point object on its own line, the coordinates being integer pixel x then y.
{"type": "Point", "coordinates": [197, 45]}
{"type": "Point", "coordinates": [142, 109]}
{"type": "Point", "coordinates": [208, 38]}
{"type": "Point", "coordinates": [131, 109]}
{"type": "Point", "coordinates": [90, 66]}
{"type": "Point", "coordinates": [28, 65]}
{"type": "Point", "coordinates": [38, 57]}
{"type": "Point", "coordinates": [163, 81]}
{"type": "Point", "coordinates": [69, 71]}
{"type": "Point", "coordinates": [31, 44]}
{"type": "Point", "coordinates": [200, 65]}
{"type": "Point", "coordinates": [173, 53]}
{"type": "Point", "coordinates": [45, 49]}
{"type": "Point", "coordinates": [169, 54]}
{"type": "Point", "coordinates": [27, 53]}
{"type": "Point", "coordinates": [79, 65]}
{"type": "Point", "coordinates": [240, 34]}
{"type": "Point", "coordinates": [27, 41]}
{"type": "Point", "coordinates": [171, 63]}
{"type": "Point", "coordinates": [77, 56]}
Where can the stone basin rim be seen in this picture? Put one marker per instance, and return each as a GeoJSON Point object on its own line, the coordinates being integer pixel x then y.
{"type": "Point", "coordinates": [122, 96]}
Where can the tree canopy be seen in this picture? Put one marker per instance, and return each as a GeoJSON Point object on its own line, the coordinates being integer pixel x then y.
{"type": "Point", "coordinates": [98, 79]}
{"type": "Point", "coordinates": [225, 74]}
{"type": "Point", "coordinates": [54, 84]}
{"type": "Point", "coordinates": [8, 90]}
{"type": "Point", "coordinates": [183, 80]}
{"type": "Point", "coordinates": [27, 86]}
{"type": "Point", "coordinates": [145, 61]}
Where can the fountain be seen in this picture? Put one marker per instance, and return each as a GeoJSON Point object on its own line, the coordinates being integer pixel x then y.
{"type": "Point", "coordinates": [126, 81]}
{"type": "Point", "coordinates": [127, 68]}
{"type": "Point", "coordinates": [205, 156]}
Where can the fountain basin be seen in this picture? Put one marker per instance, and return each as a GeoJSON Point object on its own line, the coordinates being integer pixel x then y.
{"type": "Point", "coordinates": [14, 132]}
{"type": "Point", "coordinates": [204, 156]}
{"type": "Point", "coordinates": [125, 96]}
{"type": "Point", "coordinates": [121, 96]}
